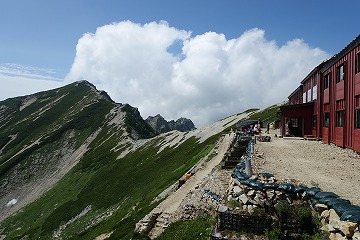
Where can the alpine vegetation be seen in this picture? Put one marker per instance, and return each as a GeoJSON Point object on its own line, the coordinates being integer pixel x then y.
{"type": "Point", "coordinates": [74, 164]}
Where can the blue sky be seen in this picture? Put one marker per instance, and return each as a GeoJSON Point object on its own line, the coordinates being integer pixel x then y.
{"type": "Point", "coordinates": [40, 41]}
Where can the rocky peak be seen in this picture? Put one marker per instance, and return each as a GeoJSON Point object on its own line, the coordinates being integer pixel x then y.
{"type": "Point", "coordinates": [135, 124]}
{"type": "Point", "coordinates": [184, 125]}
{"type": "Point", "coordinates": [160, 125]}
{"type": "Point", "coordinates": [101, 93]}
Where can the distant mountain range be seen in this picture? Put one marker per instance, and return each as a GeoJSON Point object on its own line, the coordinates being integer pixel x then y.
{"type": "Point", "coordinates": [160, 125]}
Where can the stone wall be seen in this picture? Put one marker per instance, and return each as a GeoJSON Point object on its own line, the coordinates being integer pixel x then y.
{"type": "Point", "coordinates": [262, 193]}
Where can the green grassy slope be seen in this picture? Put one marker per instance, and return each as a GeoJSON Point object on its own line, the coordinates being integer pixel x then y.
{"type": "Point", "coordinates": [126, 187]}
{"type": "Point", "coordinates": [47, 121]}
{"type": "Point", "coordinates": [102, 193]}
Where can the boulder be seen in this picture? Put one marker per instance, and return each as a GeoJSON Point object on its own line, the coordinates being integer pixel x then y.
{"type": "Point", "coordinates": [333, 215]}
{"type": "Point", "coordinates": [270, 193]}
{"type": "Point", "coordinates": [348, 228]}
{"type": "Point", "coordinates": [259, 198]}
{"type": "Point", "coordinates": [237, 191]}
{"type": "Point", "coordinates": [356, 236]}
{"type": "Point", "coordinates": [325, 228]}
{"type": "Point", "coordinates": [336, 236]}
{"type": "Point", "coordinates": [320, 207]}
{"type": "Point", "coordinates": [279, 194]}
{"type": "Point", "coordinates": [243, 198]}
{"type": "Point", "coordinates": [251, 193]}
{"type": "Point", "coordinates": [250, 209]}
{"type": "Point", "coordinates": [222, 208]}
{"type": "Point", "coordinates": [334, 225]}
{"type": "Point", "coordinates": [325, 215]}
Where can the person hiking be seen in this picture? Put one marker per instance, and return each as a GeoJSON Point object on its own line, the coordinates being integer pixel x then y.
{"type": "Point", "coordinates": [267, 128]}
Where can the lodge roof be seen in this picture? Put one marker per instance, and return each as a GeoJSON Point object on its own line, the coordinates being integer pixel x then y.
{"type": "Point", "coordinates": [322, 67]}
{"type": "Point", "coordinates": [354, 43]}
{"type": "Point", "coordinates": [295, 91]}
{"type": "Point", "coordinates": [315, 70]}
{"type": "Point", "coordinates": [299, 105]}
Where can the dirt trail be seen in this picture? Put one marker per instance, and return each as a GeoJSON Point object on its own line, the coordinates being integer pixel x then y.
{"type": "Point", "coordinates": [172, 203]}
{"type": "Point", "coordinates": [170, 209]}
{"type": "Point", "coordinates": [316, 164]}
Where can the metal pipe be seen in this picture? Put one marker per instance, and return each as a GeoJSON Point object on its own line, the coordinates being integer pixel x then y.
{"type": "Point", "coordinates": [248, 168]}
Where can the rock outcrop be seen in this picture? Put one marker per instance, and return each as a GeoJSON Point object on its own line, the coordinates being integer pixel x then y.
{"type": "Point", "coordinates": [160, 125]}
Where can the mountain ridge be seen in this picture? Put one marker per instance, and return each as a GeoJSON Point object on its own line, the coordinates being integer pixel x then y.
{"type": "Point", "coordinates": [75, 164]}
{"type": "Point", "coordinates": [64, 117]}
{"type": "Point", "coordinates": [160, 125]}
{"type": "Point", "coordinates": [69, 117]}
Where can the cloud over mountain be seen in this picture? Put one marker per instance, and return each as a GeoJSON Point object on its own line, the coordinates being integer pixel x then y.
{"type": "Point", "coordinates": [161, 69]}
{"type": "Point", "coordinates": [210, 77]}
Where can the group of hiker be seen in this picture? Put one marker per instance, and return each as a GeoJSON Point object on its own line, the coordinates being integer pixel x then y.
{"type": "Point", "coordinates": [256, 129]}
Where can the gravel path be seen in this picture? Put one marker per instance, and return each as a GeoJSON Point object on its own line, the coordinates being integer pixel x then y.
{"type": "Point", "coordinates": [172, 208]}
{"type": "Point", "coordinates": [311, 162]}
{"type": "Point", "coordinates": [172, 203]}
{"type": "Point", "coordinates": [316, 164]}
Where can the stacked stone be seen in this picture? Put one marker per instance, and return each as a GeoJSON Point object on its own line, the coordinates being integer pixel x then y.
{"type": "Point", "coordinates": [331, 222]}
{"type": "Point", "coordinates": [263, 191]}
{"type": "Point", "coordinates": [339, 217]}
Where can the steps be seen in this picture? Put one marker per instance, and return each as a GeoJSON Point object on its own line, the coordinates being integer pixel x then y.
{"type": "Point", "coordinates": [162, 222]}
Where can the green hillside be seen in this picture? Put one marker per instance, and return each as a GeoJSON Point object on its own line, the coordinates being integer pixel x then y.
{"type": "Point", "coordinates": [118, 165]}
{"type": "Point", "coordinates": [102, 193]}
{"type": "Point", "coordinates": [126, 187]}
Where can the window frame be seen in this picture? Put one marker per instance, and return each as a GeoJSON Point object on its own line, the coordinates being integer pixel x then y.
{"type": "Point", "coordinates": [340, 118]}
{"type": "Point", "coordinates": [294, 122]}
{"type": "Point", "coordinates": [340, 73]}
{"type": "Point", "coordinates": [357, 62]}
{"type": "Point", "coordinates": [357, 118]}
{"type": "Point", "coordinates": [326, 119]}
{"type": "Point", "coordinates": [314, 121]}
{"type": "Point", "coordinates": [327, 81]}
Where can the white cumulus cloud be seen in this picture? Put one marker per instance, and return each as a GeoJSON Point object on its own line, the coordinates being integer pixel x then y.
{"type": "Point", "coordinates": [210, 78]}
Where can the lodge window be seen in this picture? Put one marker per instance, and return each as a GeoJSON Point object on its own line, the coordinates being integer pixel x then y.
{"type": "Point", "coordinates": [357, 118]}
{"type": "Point", "coordinates": [357, 101]}
{"type": "Point", "coordinates": [327, 81]}
{"type": "Point", "coordinates": [326, 119]}
{"type": "Point", "coordinates": [314, 117]}
{"type": "Point", "coordinates": [294, 122]}
{"type": "Point", "coordinates": [357, 63]}
{"type": "Point", "coordinates": [339, 118]}
{"type": "Point", "coordinates": [339, 73]}
{"type": "Point", "coordinates": [314, 92]}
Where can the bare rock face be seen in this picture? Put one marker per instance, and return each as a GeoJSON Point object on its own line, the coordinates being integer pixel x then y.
{"type": "Point", "coordinates": [182, 124]}
{"type": "Point", "coordinates": [135, 124]}
{"type": "Point", "coordinates": [160, 125]}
